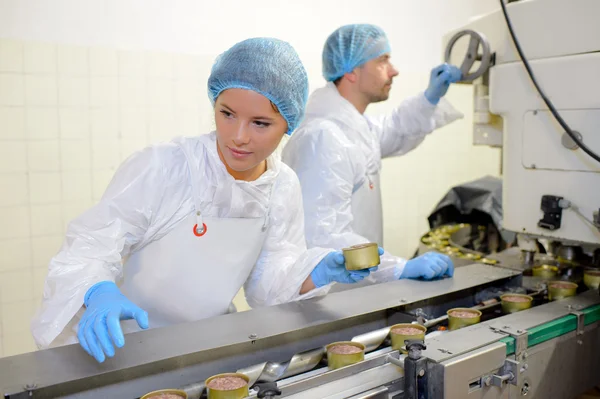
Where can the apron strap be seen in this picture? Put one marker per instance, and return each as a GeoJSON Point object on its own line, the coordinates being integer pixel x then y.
{"type": "Point", "coordinates": [200, 228]}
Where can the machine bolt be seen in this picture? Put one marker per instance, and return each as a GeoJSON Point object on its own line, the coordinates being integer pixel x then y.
{"type": "Point", "coordinates": [488, 381]}
{"type": "Point", "coordinates": [252, 336]}
{"type": "Point", "coordinates": [568, 142]}
{"type": "Point", "coordinates": [579, 342]}
{"type": "Point", "coordinates": [525, 389]}
{"type": "Point", "coordinates": [30, 387]}
{"type": "Point", "coordinates": [524, 368]}
{"type": "Point", "coordinates": [525, 355]}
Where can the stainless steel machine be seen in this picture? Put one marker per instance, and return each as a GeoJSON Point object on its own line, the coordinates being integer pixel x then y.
{"type": "Point", "coordinates": [550, 351]}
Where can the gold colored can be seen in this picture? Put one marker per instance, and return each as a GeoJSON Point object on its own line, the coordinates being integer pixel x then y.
{"type": "Point", "coordinates": [399, 338]}
{"type": "Point", "coordinates": [238, 393]}
{"type": "Point", "coordinates": [561, 289]}
{"type": "Point", "coordinates": [488, 261]}
{"type": "Point", "coordinates": [362, 256]}
{"type": "Point", "coordinates": [339, 360]}
{"type": "Point", "coordinates": [545, 271]}
{"type": "Point", "coordinates": [158, 394]}
{"type": "Point", "coordinates": [472, 256]}
{"type": "Point", "coordinates": [591, 278]}
{"type": "Point", "coordinates": [441, 245]}
{"type": "Point", "coordinates": [467, 317]}
{"type": "Point", "coordinates": [509, 306]}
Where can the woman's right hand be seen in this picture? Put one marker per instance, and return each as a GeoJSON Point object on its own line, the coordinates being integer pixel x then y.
{"type": "Point", "coordinates": [100, 326]}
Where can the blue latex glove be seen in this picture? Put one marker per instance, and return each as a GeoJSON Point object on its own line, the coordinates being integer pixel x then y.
{"type": "Point", "coordinates": [440, 80]}
{"type": "Point", "coordinates": [100, 325]}
{"type": "Point", "coordinates": [332, 268]}
{"type": "Point", "coordinates": [428, 266]}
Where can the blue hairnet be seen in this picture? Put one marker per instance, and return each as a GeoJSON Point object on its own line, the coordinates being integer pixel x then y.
{"type": "Point", "coordinates": [267, 66]}
{"type": "Point", "coordinates": [351, 46]}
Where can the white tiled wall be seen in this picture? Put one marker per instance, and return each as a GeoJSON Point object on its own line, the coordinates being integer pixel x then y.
{"type": "Point", "coordinates": [68, 117]}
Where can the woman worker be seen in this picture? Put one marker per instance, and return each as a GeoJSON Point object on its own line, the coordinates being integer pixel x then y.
{"type": "Point", "coordinates": [184, 225]}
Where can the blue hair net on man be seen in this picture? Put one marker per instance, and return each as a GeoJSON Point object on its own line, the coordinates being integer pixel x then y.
{"type": "Point", "coordinates": [267, 66]}
{"type": "Point", "coordinates": [351, 46]}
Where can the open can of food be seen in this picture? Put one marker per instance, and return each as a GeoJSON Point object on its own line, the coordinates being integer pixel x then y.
{"type": "Point", "coordinates": [166, 394]}
{"type": "Point", "coordinates": [512, 303]}
{"type": "Point", "coordinates": [345, 353]}
{"type": "Point", "coordinates": [561, 289]}
{"type": "Point", "coordinates": [228, 386]}
{"type": "Point", "coordinates": [362, 256]}
{"type": "Point", "coordinates": [591, 278]}
{"type": "Point", "coordinates": [403, 332]}
{"type": "Point", "coordinates": [462, 317]}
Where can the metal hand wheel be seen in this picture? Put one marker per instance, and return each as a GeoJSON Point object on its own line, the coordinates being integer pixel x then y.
{"type": "Point", "coordinates": [476, 42]}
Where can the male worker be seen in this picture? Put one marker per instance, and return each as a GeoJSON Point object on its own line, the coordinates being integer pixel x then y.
{"type": "Point", "coordinates": [337, 150]}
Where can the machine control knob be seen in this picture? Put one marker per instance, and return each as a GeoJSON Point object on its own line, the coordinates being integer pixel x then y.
{"type": "Point", "coordinates": [477, 42]}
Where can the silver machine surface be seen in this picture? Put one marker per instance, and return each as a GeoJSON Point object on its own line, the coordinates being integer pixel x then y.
{"type": "Point", "coordinates": [550, 351]}
{"type": "Point", "coordinates": [285, 344]}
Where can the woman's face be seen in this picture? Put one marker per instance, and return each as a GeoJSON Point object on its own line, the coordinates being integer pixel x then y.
{"type": "Point", "coordinates": [249, 129]}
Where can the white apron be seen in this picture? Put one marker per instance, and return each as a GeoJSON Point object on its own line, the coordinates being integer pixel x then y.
{"type": "Point", "coordinates": [195, 270]}
{"type": "Point", "coordinates": [367, 210]}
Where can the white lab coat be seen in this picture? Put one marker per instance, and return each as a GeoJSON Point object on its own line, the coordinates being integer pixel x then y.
{"type": "Point", "coordinates": [336, 153]}
{"type": "Point", "coordinates": [149, 196]}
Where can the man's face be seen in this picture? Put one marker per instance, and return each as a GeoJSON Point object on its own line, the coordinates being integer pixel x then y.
{"type": "Point", "coordinates": [375, 78]}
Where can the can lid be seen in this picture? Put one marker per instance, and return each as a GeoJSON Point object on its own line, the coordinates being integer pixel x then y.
{"type": "Point", "coordinates": [360, 246]}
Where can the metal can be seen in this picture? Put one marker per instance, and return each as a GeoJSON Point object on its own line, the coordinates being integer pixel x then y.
{"type": "Point", "coordinates": [472, 256]}
{"type": "Point", "coordinates": [514, 306]}
{"type": "Point", "coordinates": [362, 256]}
{"type": "Point", "coordinates": [487, 261]}
{"type": "Point", "coordinates": [398, 339]}
{"type": "Point", "coordinates": [339, 360]}
{"type": "Point", "coordinates": [238, 393]}
{"type": "Point", "coordinates": [456, 322]}
{"type": "Point", "coordinates": [561, 289]}
{"type": "Point", "coordinates": [545, 271]}
{"type": "Point", "coordinates": [176, 392]}
{"type": "Point", "coordinates": [591, 278]}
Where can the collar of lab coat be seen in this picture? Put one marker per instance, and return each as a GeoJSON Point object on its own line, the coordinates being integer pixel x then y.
{"type": "Point", "coordinates": [327, 103]}
{"type": "Point", "coordinates": [209, 141]}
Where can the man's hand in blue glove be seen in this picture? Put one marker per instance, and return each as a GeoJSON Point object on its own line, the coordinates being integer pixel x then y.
{"type": "Point", "coordinates": [440, 80]}
{"type": "Point", "coordinates": [332, 268]}
{"type": "Point", "coordinates": [428, 266]}
{"type": "Point", "coordinates": [100, 325]}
